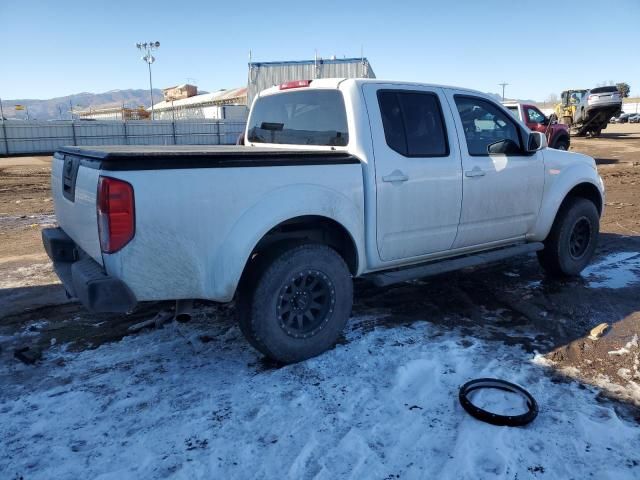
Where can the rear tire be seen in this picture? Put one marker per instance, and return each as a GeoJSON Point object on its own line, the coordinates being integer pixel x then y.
{"type": "Point", "coordinates": [297, 303]}
{"type": "Point", "coordinates": [572, 241]}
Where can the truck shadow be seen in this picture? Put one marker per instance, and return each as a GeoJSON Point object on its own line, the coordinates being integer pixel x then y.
{"type": "Point", "coordinates": [616, 135]}
{"type": "Point", "coordinates": [606, 161]}
{"type": "Point", "coordinates": [511, 302]}
{"type": "Point", "coordinates": [47, 318]}
{"type": "Point", "coordinates": [514, 301]}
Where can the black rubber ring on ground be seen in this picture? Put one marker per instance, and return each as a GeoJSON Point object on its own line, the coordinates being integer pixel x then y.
{"type": "Point", "coordinates": [494, 418]}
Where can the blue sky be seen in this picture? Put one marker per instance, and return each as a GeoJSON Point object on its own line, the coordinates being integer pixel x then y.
{"type": "Point", "coordinates": [55, 48]}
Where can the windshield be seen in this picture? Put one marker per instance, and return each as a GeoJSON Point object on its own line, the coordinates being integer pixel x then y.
{"type": "Point", "coordinates": [311, 117]}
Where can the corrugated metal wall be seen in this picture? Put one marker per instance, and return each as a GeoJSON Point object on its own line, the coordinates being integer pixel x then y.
{"type": "Point", "coordinates": [45, 137]}
{"type": "Point", "coordinates": [265, 75]}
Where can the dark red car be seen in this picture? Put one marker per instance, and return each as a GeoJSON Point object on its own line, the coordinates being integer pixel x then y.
{"type": "Point", "coordinates": [557, 134]}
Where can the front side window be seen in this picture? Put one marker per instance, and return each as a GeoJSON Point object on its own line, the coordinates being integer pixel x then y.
{"type": "Point", "coordinates": [576, 97]}
{"type": "Point", "coordinates": [535, 116]}
{"type": "Point", "coordinates": [487, 128]}
{"type": "Point", "coordinates": [311, 117]}
{"type": "Point", "coordinates": [413, 123]}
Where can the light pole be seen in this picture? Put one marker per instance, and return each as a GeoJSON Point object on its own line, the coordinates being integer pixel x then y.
{"type": "Point", "coordinates": [146, 48]}
{"type": "Point", "coordinates": [503, 84]}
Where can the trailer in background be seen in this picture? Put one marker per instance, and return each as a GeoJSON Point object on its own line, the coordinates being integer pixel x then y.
{"type": "Point", "coordinates": [263, 75]}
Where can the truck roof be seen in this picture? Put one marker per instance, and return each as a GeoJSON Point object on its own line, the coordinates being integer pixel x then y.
{"type": "Point", "coordinates": [334, 83]}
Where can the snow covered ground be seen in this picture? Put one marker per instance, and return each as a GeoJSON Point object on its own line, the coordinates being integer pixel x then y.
{"type": "Point", "coordinates": [194, 401]}
{"type": "Point", "coordinates": [617, 270]}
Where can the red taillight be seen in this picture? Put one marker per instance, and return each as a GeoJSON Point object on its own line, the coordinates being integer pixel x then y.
{"type": "Point", "coordinates": [295, 84]}
{"type": "Point", "coordinates": [116, 214]}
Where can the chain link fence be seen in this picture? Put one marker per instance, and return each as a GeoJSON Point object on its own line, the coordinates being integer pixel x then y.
{"type": "Point", "coordinates": [20, 138]}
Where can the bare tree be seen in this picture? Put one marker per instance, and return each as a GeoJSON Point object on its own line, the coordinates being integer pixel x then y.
{"type": "Point", "coordinates": [552, 99]}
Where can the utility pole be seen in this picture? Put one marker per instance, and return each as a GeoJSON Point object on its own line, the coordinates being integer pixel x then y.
{"type": "Point", "coordinates": [503, 84]}
{"type": "Point", "coordinates": [146, 48]}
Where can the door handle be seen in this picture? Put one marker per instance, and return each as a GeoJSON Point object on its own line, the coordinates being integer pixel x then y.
{"type": "Point", "coordinates": [476, 172]}
{"type": "Point", "coordinates": [395, 176]}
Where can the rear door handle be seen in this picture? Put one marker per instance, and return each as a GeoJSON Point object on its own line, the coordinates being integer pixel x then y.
{"type": "Point", "coordinates": [476, 172]}
{"type": "Point", "coordinates": [395, 176]}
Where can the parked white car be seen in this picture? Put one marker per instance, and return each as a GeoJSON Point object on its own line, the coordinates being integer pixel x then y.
{"type": "Point", "coordinates": [337, 179]}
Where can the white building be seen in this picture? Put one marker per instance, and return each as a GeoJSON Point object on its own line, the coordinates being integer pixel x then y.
{"type": "Point", "coordinates": [222, 105]}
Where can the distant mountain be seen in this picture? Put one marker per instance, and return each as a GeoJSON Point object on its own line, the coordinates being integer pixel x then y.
{"type": "Point", "coordinates": [58, 108]}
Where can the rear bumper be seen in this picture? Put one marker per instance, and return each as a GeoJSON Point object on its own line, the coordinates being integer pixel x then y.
{"type": "Point", "coordinates": [606, 109]}
{"type": "Point", "coordinates": [83, 278]}
{"type": "Point", "coordinates": [605, 102]}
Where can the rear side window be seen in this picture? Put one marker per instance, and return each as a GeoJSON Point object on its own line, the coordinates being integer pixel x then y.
{"type": "Point", "coordinates": [311, 117]}
{"type": "Point", "coordinates": [413, 123]}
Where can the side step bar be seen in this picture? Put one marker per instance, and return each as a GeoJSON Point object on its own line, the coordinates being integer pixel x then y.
{"type": "Point", "coordinates": [441, 266]}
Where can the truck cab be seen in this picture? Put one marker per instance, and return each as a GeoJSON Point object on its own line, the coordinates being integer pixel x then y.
{"type": "Point", "coordinates": [557, 134]}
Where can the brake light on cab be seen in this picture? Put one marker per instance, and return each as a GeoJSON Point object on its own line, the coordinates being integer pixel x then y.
{"type": "Point", "coordinates": [116, 214]}
{"type": "Point", "coordinates": [295, 84]}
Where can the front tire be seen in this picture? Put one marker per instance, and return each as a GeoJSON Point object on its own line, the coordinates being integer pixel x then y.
{"type": "Point", "coordinates": [572, 241]}
{"type": "Point", "coordinates": [562, 144]}
{"type": "Point", "coordinates": [298, 303]}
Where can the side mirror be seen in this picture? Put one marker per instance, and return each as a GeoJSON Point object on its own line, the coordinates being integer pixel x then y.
{"type": "Point", "coordinates": [553, 119]}
{"type": "Point", "coordinates": [536, 141]}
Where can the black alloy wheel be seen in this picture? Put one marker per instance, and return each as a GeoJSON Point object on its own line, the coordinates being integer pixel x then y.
{"type": "Point", "coordinates": [306, 303]}
{"type": "Point", "coordinates": [580, 237]}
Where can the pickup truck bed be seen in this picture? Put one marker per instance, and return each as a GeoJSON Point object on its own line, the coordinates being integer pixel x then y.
{"type": "Point", "coordinates": [153, 157]}
{"type": "Point", "coordinates": [197, 210]}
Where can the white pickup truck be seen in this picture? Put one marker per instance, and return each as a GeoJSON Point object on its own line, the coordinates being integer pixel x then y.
{"type": "Point", "coordinates": [336, 179]}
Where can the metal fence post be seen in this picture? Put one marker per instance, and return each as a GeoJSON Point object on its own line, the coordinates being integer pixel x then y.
{"type": "Point", "coordinates": [173, 126]}
{"type": "Point", "coordinates": [4, 136]}
{"type": "Point", "coordinates": [4, 129]}
{"type": "Point", "coordinates": [73, 129]}
{"type": "Point", "coordinates": [218, 131]}
{"type": "Point", "coordinates": [126, 136]}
